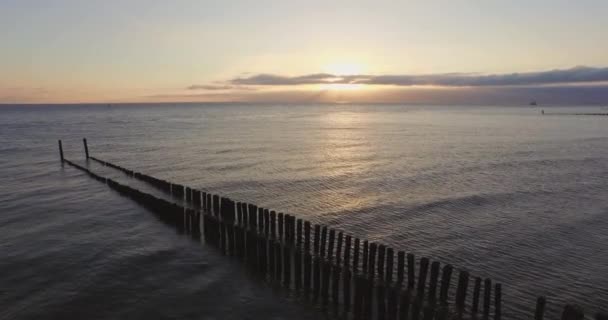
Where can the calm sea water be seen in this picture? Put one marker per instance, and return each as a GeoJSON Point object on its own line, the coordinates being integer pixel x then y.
{"type": "Point", "coordinates": [502, 191]}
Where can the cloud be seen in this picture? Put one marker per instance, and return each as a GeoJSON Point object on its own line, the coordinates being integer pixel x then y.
{"type": "Point", "coordinates": [486, 95]}
{"type": "Point", "coordinates": [278, 80]}
{"type": "Point", "coordinates": [551, 77]}
{"type": "Point", "coordinates": [212, 87]}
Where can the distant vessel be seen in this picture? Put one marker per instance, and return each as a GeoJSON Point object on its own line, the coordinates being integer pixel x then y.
{"type": "Point", "coordinates": [533, 103]}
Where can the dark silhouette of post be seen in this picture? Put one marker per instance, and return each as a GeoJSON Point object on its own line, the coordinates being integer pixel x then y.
{"type": "Point", "coordinates": [60, 150]}
{"type": "Point", "coordinates": [86, 148]}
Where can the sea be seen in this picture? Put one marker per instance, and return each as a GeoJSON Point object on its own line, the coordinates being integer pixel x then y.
{"type": "Point", "coordinates": [504, 192]}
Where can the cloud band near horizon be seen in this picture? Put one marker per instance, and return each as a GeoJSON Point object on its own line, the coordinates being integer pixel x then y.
{"type": "Point", "coordinates": [576, 75]}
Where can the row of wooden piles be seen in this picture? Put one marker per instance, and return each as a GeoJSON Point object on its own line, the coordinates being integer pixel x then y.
{"type": "Point", "coordinates": [351, 277]}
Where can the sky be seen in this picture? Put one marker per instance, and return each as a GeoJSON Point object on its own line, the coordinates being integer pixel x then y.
{"type": "Point", "coordinates": [437, 52]}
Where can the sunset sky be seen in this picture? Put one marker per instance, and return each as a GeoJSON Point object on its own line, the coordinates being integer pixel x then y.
{"type": "Point", "coordinates": [460, 51]}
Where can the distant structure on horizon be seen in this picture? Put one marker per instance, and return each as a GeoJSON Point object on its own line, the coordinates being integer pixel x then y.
{"type": "Point", "coordinates": [533, 103]}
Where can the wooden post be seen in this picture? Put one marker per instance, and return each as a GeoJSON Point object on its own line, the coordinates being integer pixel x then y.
{"type": "Point", "coordinates": [372, 261]}
{"type": "Point", "coordinates": [323, 241]}
{"type": "Point", "coordinates": [540, 308]}
{"type": "Point", "coordinates": [573, 312]}
{"type": "Point", "coordinates": [433, 282]}
{"type": "Point", "coordinates": [356, 255]}
{"type": "Point", "coordinates": [416, 309]}
{"type": "Point", "coordinates": [298, 267]}
{"type": "Point", "coordinates": [392, 302]}
{"type": "Point", "coordinates": [346, 295]}
{"type": "Point", "coordinates": [262, 254]}
{"type": "Point", "coordinates": [390, 255]}
{"type": "Point", "coordinates": [60, 150]}
{"type": "Point", "coordinates": [381, 300]}
{"type": "Point", "coordinates": [273, 224]}
{"type": "Point", "coordinates": [381, 260]}
{"type": "Point", "coordinates": [306, 236]}
{"type": "Point", "coordinates": [497, 301]}
{"type": "Point", "coordinates": [317, 240]}
{"type": "Point", "coordinates": [364, 258]}
{"type": "Point", "coordinates": [286, 266]}
{"type": "Point", "coordinates": [267, 223]}
{"type": "Point", "coordinates": [261, 226]}
{"type": "Point", "coordinates": [280, 218]}
{"type": "Point", "coordinates": [86, 148]}
{"type": "Point", "coordinates": [445, 284]}
{"type": "Point", "coordinates": [339, 249]}
{"type": "Point", "coordinates": [357, 312]}
{"type": "Point", "coordinates": [347, 248]}
{"type": "Point", "coordinates": [316, 280]}
{"type": "Point", "coordinates": [411, 271]}
{"type": "Point", "coordinates": [461, 292]}
{"type": "Point", "coordinates": [330, 247]}
{"type": "Point", "coordinates": [601, 316]}
{"type": "Point", "coordinates": [307, 272]}
{"type": "Point", "coordinates": [325, 273]}
{"type": "Point", "coordinates": [400, 268]}
{"type": "Point", "coordinates": [404, 305]}
{"type": "Point", "coordinates": [424, 268]}
{"type": "Point", "coordinates": [476, 294]}
{"type": "Point", "coordinates": [278, 256]}
{"type": "Point", "coordinates": [428, 313]}
{"type": "Point", "coordinates": [335, 285]}
{"type": "Point", "coordinates": [299, 233]}
{"type": "Point", "coordinates": [487, 294]}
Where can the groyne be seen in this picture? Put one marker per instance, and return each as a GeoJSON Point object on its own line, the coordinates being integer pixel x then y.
{"type": "Point", "coordinates": [350, 277]}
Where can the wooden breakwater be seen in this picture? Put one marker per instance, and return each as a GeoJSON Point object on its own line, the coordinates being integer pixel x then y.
{"type": "Point", "coordinates": [348, 276]}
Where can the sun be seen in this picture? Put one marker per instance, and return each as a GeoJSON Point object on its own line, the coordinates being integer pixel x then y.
{"type": "Point", "coordinates": [344, 68]}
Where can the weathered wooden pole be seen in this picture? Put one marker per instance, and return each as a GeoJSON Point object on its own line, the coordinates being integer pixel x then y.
{"type": "Point", "coordinates": [317, 240]}
{"type": "Point", "coordinates": [445, 284]}
{"type": "Point", "coordinates": [497, 301]}
{"type": "Point", "coordinates": [461, 292]}
{"type": "Point", "coordinates": [330, 247]}
{"type": "Point", "coordinates": [573, 312]}
{"type": "Point", "coordinates": [411, 271]}
{"type": "Point", "coordinates": [424, 268]}
{"type": "Point", "coordinates": [372, 261]}
{"type": "Point", "coordinates": [433, 282]}
{"type": "Point", "coordinates": [339, 249]}
{"type": "Point", "coordinates": [273, 224]}
{"type": "Point", "coordinates": [365, 256]}
{"type": "Point", "coordinates": [356, 259]}
{"type": "Point", "coordinates": [86, 148]}
{"type": "Point", "coordinates": [400, 267]}
{"type": "Point", "coordinates": [323, 241]}
{"type": "Point", "coordinates": [280, 219]}
{"type": "Point", "coordinates": [286, 266]}
{"type": "Point", "coordinates": [306, 236]}
{"type": "Point", "coordinates": [487, 294]}
{"type": "Point", "coordinates": [299, 233]}
{"type": "Point", "coordinates": [267, 223]}
{"type": "Point", "coordinates": [325, 275]}
{"type": "Point", "coordinates": [404, 305]}
{"type": "Point", "coordinates": [381, 300]}
{"type": "Point", "coordinates": [390, 256]}
{"type": "Point", "coordinates": [316, 280]}
{"type": "Point", "coordinates": [307, 272]}
{"type": "Point", "coordinates": [298, 263]}
{"type": "Point", "coordinates": [60, 150]}
{"type": "Point", "coordinates": [539, 313]}
{"type": "Point", "coordinates": [335, 285]}
{"type": "Point", "coordinates": [381, 260]}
